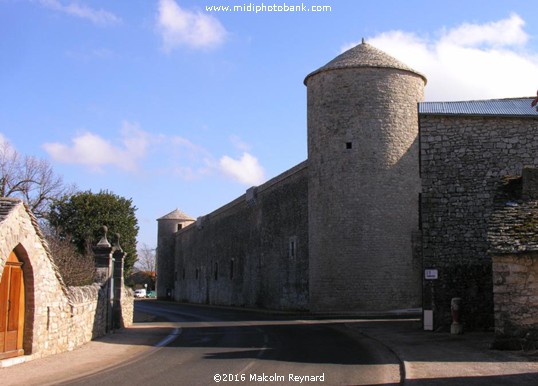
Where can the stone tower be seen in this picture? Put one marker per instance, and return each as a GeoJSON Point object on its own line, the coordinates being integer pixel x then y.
{"type": "Point", "coordinates": [167, 227]}
{"type": "Point", "coordinates": [364, 182]}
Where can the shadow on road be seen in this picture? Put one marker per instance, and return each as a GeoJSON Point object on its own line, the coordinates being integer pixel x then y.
{"type": "Point", "coordinates": [431, 358]}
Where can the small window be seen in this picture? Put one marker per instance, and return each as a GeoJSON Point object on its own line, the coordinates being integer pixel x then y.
{"type": "Point", "coordinates": [216, 271]}
{"type": "Point", "coordinates": [349, 145]}
{"type": "Point", "coordinates": [292, 247]}
{"type": "Point", "coordinates": [197, 274]}
{"type": "Point", "coordinates": [179, 226]}
{"type": "Point", "coordinates": [420, 211]}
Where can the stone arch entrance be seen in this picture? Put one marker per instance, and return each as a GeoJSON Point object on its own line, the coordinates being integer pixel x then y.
{"type": "Point", "coordinates": [12, 308]}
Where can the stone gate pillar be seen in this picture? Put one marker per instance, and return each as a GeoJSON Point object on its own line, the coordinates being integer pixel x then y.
{"type": "Point", "coordinates": [104, 266]}
{"type": "Point", "coordinates": [119, 258]}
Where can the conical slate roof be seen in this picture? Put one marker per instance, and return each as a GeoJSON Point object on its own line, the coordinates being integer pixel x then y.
{"type": "Point", "coordinates": [364, 55]}
{"type": "Point", "coordinates": [176, 215]}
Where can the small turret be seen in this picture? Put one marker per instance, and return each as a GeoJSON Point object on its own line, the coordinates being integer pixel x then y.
{"type": "Point", "coordinates": [173, 222]}
{"type": "Point", "coordinates": [168, 225]}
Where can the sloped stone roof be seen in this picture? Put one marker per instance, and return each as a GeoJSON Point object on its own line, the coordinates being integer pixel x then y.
{"type": "Point", "coordinates": [176, 215]}
{"type": "Point", "coordinates": [514, 228]}
{"type": "Point", "coordinates": [364, 55]}
{"type": "Point", "coordinates": [6, 206]}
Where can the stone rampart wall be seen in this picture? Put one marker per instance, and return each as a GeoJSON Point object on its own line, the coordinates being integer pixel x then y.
{"type": "Point", "coordinates": [253, 252]}
{"type": "Point", "coordinates": [463, 160]}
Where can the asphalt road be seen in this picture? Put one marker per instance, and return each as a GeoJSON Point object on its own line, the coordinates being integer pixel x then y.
{"type": "Point", "coordinates": [216, 346]}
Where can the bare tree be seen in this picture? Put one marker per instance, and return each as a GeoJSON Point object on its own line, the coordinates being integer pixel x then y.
{"type": "Point", "coordinates": [75, 269]}
{"type": "Point", "coordinates": [146, 258]}
{"type": "Point", "coordinates": [30, 179]}
{"type": "Point", "coordinates": [144, 274]}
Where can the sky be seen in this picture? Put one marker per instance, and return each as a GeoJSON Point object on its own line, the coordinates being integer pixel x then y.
{"type": "Point", "coordinates": [175, 104]}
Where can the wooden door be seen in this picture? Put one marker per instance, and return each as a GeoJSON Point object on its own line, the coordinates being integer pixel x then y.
{"type": "Point", "coordinates": [11, 309]}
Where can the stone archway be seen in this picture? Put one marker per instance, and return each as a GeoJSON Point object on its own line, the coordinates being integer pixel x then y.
{"type": "Point", "coordinates": [12, 308]}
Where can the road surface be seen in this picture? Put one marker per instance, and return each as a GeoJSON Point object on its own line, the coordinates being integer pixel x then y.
{"type": "Point", "coordinates": [218, 346]}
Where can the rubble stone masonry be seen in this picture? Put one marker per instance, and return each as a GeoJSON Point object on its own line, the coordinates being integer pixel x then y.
{"type": "Point", "coordinates": [463, 160]}
{"type": "Point", "coordinates": [363, 189]}
{"type": "Point", "coordinates": [515, 278]}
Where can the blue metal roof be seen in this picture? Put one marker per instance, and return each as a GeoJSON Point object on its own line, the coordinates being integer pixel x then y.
{"type": "Point", "coordinates": [520, 107]}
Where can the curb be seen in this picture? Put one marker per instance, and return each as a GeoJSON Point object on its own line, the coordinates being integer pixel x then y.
{"type": "Point", "coordinates": [401, 362]}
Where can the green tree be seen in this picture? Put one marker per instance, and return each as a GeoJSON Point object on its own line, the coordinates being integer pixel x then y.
{"type": "Point", "coordinates": [82, 215]}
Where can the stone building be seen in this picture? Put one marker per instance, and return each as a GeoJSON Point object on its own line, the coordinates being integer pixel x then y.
{"type": "Point", "coordinates": [467, 148]}
{"type": "Point", "coordinates": [392, 186]}
{"type": "Point", "coordinates": [513, 242]}
{"type": "Point", "coordinates": [39, 314]}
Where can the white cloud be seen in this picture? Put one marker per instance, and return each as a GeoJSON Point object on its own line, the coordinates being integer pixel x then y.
{"type": "Point", "coordinates": [100, 16]}
{"type": "Point", "coordinates": [96, 152]}
{"type": "Point", "coordinates": [246, 170]}
{"type": "Point", "coordinates": [162, 154]}
{"type": "Point", "coordinates": [182, 27]}
{"type": "Point", "coordinates": [471, 61]}
{"type": "Point", "coordinates": [506, 32]}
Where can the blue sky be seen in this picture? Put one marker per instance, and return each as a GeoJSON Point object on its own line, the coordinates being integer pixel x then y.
{"type": "Point", "coordinates": [175, 106]}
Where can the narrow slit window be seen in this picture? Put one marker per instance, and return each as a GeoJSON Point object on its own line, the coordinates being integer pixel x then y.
{"type": "Point", "coordinates": [292, 247]}
{"type": "Point", "coordinates": [349, 145]}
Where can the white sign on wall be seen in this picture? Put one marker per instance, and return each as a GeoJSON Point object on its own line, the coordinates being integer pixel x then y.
{"type": "Point", "coordinates": [431, 274]}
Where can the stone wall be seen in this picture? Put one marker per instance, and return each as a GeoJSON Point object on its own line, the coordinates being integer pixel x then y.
{"type": "Point", "coordinates": [513, 241]}
{"type": "Point", "coordinates": [515, 288]}
{"type": "Point", "coordinates": [127, 307]}
{"type": "Point", "coordinates": [87, 316]}
{"type": "Point", "coordinates": [79, 318]}
{"type": "Point", "coordinates": [252, 252]}
{"type": "Point", "coordinates": [57, 318]}
{"type": "Point", "coordinates": [463, 160]}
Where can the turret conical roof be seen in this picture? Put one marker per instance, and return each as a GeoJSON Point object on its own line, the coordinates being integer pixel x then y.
{"type": "Point", "coordinates": [176, 215]}
{"type": "Point", "coordinates": [364, 55]}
